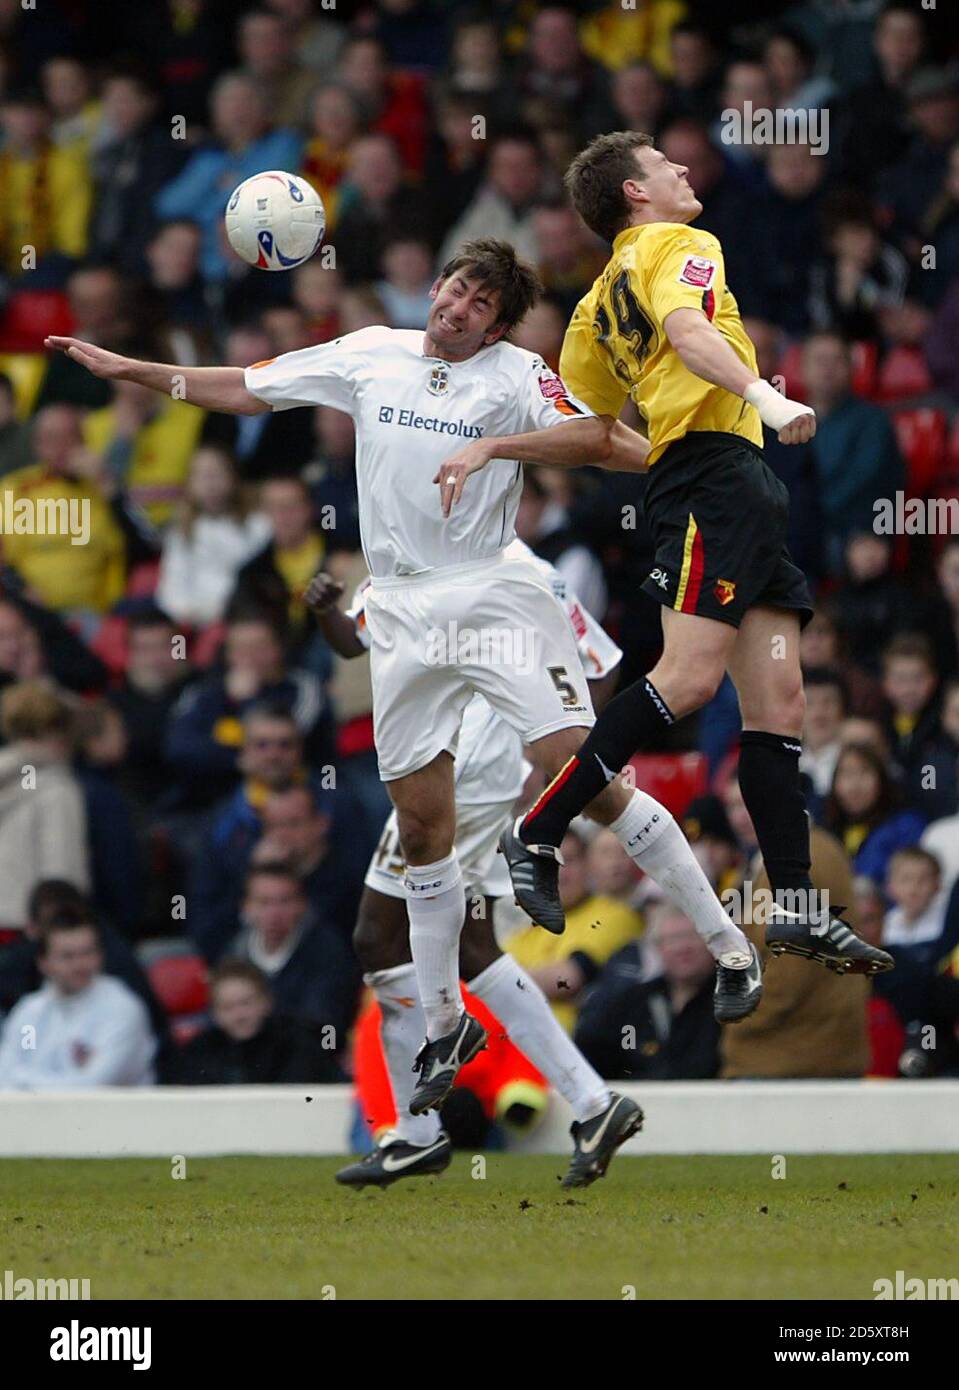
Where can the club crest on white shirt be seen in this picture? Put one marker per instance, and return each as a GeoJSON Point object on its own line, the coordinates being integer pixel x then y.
{"type": "Point", "coordinates": [439, 379]}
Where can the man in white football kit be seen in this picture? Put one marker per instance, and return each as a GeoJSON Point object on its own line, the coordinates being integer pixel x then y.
{"type": "Point", "coordinates": [449, 615]}
{"type": "Point", "coordinates": [490, 774]}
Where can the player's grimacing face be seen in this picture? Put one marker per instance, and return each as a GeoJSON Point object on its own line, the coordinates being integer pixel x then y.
{"type": "Point", "coordinates": [463, 317]}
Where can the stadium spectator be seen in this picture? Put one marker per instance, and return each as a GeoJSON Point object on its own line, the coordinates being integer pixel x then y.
{"type": "Point", "coordinates": [915, 923]}
{"type": "Point", "coordinates": [205, 732]}
{"type": "Point", "coordinates": [270, 760]}
{"type": "Point", "coordinates": [555, 72]}
{"type": "Point", "coordinates": [336, 120]}
{"type": "Point", "coordinates": [639, 98]}
{"type": "Point", "coordinates": [47, 195]}
{"type": "Point", "coordinates": [661, 1029]}
{"type": "Point", "coordinates": [146, 442]}
{"type": "Point", "coordinates": [859, 278]}
{"type": "Point", "coordinates": [454, 162]}
{"type": "Point", "coordinates": [316, 291]}
{"type": "Point", "coordinates": [156, 674]}
{"type": "Point", "coordinates": [744, 81]}
{"type": "Point", "coordinates": [394, 101]}
{"type": "Point", "coordinates": [214, 535]}
{"type": "Point", "coordinates": [908, 187]}
{"type": "Point", "coordinates": [130, 165]}
{"type": "Point", "coordinates": [118, 873]}
{"type": "Point", "coordinates": [942, 619]}
{"type": "Point", "coordinates": [857, 459]}
{"type": "Point", "coordinates": [821, 644]}
{"type": "Point", "coordinates": [248, 1043]}
{"type": "Point", "coordinates": [404, 288]}
{"type": "Point", "coordinates": [266, 46]}
{"type": "Point", "coordinates": [789, 220]}
{"type": "Point", "coordinates": [15, 449]}
{"type": "Point", "coordinates": [694, 65]}
{"type": "Point", "coordinates": [910, 684]}
{"type": "Point", "coordinates": [76, 565]}
{"type": "Point", "coordinates": [874, 122]}
{"type": "Point", "coordinates": [187, 44]}
{"type": "Point", "coordinates": [54, 898]}
{"type": "Point", "coordinates": [43, 829]}
{"type": "Point", "coordinates": [866, 813]}
{"type": "Point", "coordinates": [939, 341]}
{"type": "Point", "coordinates": [596, 927]}
{"type": "Point", "coordinates": [276, 576]}
{"type": "Point", "coordinates": [265, 444]}
{"type": "Point", "coordinates": [88, 1029]}
{"type": "Point", "coordinates": [789, 59]}
{"type": "Point", "coordinates": [504, 204]}
{"type": "Point", "coordinates": [566, 255]}
{"type": "Point", "coordinates": [100, 307]}
{"type": "Point", "coordinates": [941, 838]}
{"type": "Point", "coordinates": [317, 38]}
{"type": "Point", "coordinates": [311, 970]}
{"type": "Point", "coordinates": [376, 204]}
{"type": "Point", "coordinates": [174, 282]}
{"type": "Point", "coordinates": [35, 642]}
{"type": "Point", "coordinates": [871, 604]}
{"type": "Point", "coordinates": [68, 92]}
{"type": "Point", "coordinates": [244, 144]}
{"type": "Point", "coordinates": [826, 708]}
{"type": "Point", "coordinates": [542, 331]}
{"type": "Point", "coordinates": [476, 69]}
{"type": "Point", "coordinates": [811, 1023]}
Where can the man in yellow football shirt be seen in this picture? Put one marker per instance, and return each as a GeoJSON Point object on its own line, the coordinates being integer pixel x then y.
{"type": "Point", "coordinates": [660, 325]}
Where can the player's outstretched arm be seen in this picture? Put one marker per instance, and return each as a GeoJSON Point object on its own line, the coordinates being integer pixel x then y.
{"type": "Point", "coordinates": [704, 351]}
{"type": "Point", "coordinates": [336, 626]}
{"type": "Point", "coordinates": [573, 444]}
{"type": "Point", "coordinates": [211, 388]}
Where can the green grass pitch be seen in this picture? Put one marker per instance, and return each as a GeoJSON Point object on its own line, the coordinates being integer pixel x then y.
{"type": "Point", "coordinates": [686, 1227]}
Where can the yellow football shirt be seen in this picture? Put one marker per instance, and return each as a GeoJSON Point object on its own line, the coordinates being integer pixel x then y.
{"type": "Point", "coordinates": [616, 344]}
{"type": "Point", "coordinates": [162, 451]}
{"type": "Point", "coordinates": [597, 927]}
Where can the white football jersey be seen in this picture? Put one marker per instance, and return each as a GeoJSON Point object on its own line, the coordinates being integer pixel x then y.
{"type": "Point", "coordinates": [489, 760]}
{"type": "Point", "coordinates": [411, 414]}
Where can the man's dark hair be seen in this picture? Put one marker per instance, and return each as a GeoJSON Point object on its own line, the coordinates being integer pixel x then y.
{"type": "Point", "coordinates": [826, 676]}
{"type": "Point", "coordinates": [241, 970]}
{"type": "Point", "coordinates": [51, 896]}
{"type": "Point", "coordinates": [275, 868]}
{"type": "Point", "coordinates": [67, 919]}
{"type": "Point", "coordinates": [595, 180]}
{"type": "Point", "coordinates": [148, 616]}
{"type": "Point", "coordinates": [914, 645]}
{"type": "Point", "coordinates": [495, 265]}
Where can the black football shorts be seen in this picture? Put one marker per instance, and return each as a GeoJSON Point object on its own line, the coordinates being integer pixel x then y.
{"type": "Point", "coordinates": [718, 514]}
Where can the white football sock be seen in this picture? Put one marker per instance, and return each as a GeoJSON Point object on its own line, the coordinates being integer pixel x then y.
{"type": "Point", "coordinates": [523, 1009]}
{"type": "Point", "coordinates": [402, 1030]}
{"type": "Point", "coordinates": [436, 907]}
{"type": "Point", "coordinates": [652, 839]}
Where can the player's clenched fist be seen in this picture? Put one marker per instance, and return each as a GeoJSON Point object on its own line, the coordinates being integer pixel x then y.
{"type": "Point", "coordinates": [96, 359]}
{"type": "Point", "coordinates": [322, 592]}
{"type": "Point", "coordinates": [793, 422]}
{"type": "Point", "coordinates": [454, 472]}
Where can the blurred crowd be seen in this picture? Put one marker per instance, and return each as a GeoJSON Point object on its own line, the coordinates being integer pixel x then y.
{"type": "Point", "coordinates": [188, 789]}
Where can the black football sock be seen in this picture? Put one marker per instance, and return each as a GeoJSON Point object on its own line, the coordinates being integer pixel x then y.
{"type": "Point", "coordinates": [635, 719]}
{"type": "Point", "coordinates": [769, 780]}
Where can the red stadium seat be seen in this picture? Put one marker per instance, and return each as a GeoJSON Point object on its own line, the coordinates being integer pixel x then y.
{"type": "Point", "coordinates": [789, 367]}
{"type": "Point", "coordinates": [952, 450]}
{"type": "Point", "coordinates": [865, 359]}
{"type": "Point", "coordinates": [110, 644]}
{"type": "Point", "coordinates": [180, 983]}
{"type": "Point", "coordinates": [922, 440]}
{"type": "Point", "coordinates": [142, 580]}
{"type": "Point", "coordinates": [675, 779]}
{"type": "Point", "coordinates": [31, 315]}
{"type": "Point", "coordinates": [903, 374]}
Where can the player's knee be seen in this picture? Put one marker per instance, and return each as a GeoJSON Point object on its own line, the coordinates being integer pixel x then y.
{"type": "Point", "coordinates": [424, 838]}
{"type": "Point", "coordinates": [689, 687]}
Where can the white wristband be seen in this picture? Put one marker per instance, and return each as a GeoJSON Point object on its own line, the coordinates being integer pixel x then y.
{"type": "Point", "coordinates": [775, 410]}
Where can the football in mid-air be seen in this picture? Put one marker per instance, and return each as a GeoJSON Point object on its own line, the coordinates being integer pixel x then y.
{"type": "Point", "coordinates": [275, 221]}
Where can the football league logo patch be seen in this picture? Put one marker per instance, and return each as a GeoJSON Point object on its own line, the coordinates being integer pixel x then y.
{"type": "Point", "coordinates": [551, 386]}
{"type": "Point", "coordinates": [439, 380]}
{"type": "Point", "coordinates": [698, 271]}
{"type": "Point", "coordinates": [725, 591]}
